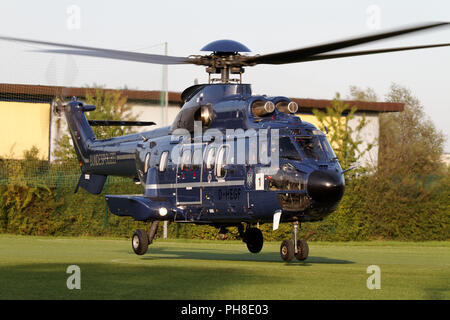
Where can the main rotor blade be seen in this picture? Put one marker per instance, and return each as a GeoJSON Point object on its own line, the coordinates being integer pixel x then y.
{"type": "Point", "coordinates": [302, 54]}
{"type": "Point", "coordinates": [104, 53]}
{"type": "Point", "coordinates": [368, 52]}
{"type": "Point", "coordinates": [122, 55]}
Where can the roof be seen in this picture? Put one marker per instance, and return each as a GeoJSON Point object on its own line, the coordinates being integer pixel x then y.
{"type": "Point", "coordinates": [360, 105]}
{"type": "Point", "coordinates": [47, 93]}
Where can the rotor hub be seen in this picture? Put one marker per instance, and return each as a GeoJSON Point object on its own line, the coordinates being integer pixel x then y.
{"type": "Point", "coordinates": [225, 60]}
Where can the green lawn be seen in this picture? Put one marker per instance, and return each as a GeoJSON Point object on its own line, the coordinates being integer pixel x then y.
{"type": "Point", "coordinates": [35, 268]}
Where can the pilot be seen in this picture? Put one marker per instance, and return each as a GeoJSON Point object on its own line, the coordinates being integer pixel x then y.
{"type": "Point", "coordinates": [309, 147]}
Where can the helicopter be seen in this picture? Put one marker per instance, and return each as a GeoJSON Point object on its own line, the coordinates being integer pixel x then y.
{"type": "Point", "coordinates": [230, 158]}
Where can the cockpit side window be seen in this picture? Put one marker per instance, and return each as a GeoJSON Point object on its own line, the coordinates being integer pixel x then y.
{"type": "Point", "coordinates": [327, 148]}
{"type": "Point", "coordinates": [288, 150]}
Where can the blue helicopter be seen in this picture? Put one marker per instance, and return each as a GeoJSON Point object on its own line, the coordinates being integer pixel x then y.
{"type": "Point", "coordinates": [230, 158]}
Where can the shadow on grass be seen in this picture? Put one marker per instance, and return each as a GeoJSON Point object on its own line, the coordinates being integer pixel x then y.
{"type": "Point", "coordinates": [208, 254]}
{"type": "Point", "coordinates": [439, 292]}
{"type": "Point", "coordinates": [125, 281]}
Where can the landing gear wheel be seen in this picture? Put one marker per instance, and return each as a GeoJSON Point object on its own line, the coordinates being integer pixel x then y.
{"type": "Point", "coordinates": [254, 239]}
{"type": "Point", "coordinates": [287, 250]}
{"type": "Point", "coordinates": [302, 250]}
{"type": "Point", "coordinates": [139, 242]}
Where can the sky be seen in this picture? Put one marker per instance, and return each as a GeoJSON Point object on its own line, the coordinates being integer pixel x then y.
{"type": "Point", "coordinates": [263, 26]}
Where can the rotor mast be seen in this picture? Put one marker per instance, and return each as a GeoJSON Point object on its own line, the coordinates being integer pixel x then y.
{"type": "Point", "coordinates": [224, 66]}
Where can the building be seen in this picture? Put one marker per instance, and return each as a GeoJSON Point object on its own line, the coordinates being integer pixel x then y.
{"type": "Point", "coordinates": [445, 158]}
{"type": "Point", "coordinates": [29, 117]}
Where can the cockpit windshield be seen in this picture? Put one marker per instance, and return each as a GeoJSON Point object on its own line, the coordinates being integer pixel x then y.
{"type": "Point", "coordinates": [315, 147]}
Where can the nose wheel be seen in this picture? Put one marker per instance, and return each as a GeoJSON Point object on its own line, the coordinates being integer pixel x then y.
{"type": "Point", "coordinates": [296, 247]}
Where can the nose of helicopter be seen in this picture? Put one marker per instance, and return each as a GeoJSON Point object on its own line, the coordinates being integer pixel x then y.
{"type": "Point", "coordinates": [326, 186]}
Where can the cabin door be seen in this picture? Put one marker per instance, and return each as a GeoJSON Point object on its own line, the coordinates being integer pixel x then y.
{"type": "Point", "coordinates": [189, 174]}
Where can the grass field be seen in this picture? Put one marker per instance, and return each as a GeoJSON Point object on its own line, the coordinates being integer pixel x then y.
{"type": "Point", "coordinates": [35, 268]}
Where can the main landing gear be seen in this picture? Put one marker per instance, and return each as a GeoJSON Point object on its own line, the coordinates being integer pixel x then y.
{"type": "Point", "coordinates": [297, 248]}
{"type": "Point", "coordinates": [141, 239]}
{"type": "Point", "coordinates": [252, 237]}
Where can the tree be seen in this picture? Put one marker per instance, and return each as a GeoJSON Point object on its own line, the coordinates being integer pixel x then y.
{"type": "Point", "coordinates": [409, 141]}
{"type": "Point", "coordinates": [345, 140]}
{"type": "Point", "coordinates": [359, 94]}
{"type": "Point", "coordinates": [109, 106]}
{"type": "Point", "coordinates": [407, 196]}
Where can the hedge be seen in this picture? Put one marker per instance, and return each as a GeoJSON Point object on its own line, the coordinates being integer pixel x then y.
{"type": "Point", "coordinates": [373, 208]}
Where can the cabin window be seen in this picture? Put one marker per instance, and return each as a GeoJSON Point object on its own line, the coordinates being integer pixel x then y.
{"type": "Point", "coordinates": [210, 157]}
{"type": "Point", "coordinates": [221, 161]}
{"type": "Point", "coordinates": [163, 161]}
{"type": "Point", "coordinates": [185, 159]}
{"type": "Point", "coordinates": [197, 156]}
{"type": "Point", "coordinates": [147, 162]}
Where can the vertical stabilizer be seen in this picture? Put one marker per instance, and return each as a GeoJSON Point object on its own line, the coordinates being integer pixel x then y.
{"type": "Point", "coordinates": [83, 137]}
{"type": "Point", "coordinates": [80, 130]}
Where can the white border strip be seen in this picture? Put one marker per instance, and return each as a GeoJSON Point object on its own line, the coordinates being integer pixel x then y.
{"type": "Point", "coordinates": [195, 184]}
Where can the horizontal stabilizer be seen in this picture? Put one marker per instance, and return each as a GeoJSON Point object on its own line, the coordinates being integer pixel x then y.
{"type": "Point", "coordinates": [120, 123]}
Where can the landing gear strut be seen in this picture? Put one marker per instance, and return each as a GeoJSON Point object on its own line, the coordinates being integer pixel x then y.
{"type": "Point", "coordinates": [252, 237]}
{"type": "Point", "coordinates": [296, 247]}
{"type": "Point", "coordinates": [141, 239]}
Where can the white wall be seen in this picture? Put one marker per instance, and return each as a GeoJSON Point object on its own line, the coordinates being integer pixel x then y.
{"type": "Point", "coordinates": [369, 134]}
{"type": "Point", "coordinates": [154, 113]}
